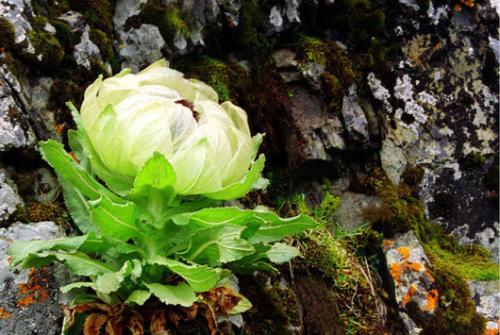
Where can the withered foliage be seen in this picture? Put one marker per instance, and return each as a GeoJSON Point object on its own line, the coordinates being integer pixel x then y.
{"type": "Point", "coordinates": [161, 319]}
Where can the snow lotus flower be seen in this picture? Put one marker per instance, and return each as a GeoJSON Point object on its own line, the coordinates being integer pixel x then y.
{"type": "Point", "coordinates": [130, 117]}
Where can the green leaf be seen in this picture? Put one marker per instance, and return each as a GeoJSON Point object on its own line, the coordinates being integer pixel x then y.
{"type": "Point", "coordinates": [67, 169]}
{"type": "Point", "coordinates": [181, 294]}
{"type": "Point", "coordinates": [116, 220]}
{"type": "Point", "coordinates": [282, 253]}
{"type": "Point", "coordinates": [19, 250]}
{"type": "Point", "coordinates": [74, 113]}
{"type": "Point", "coordinates": [75, 143]}
{"type": "Point", "coordinates": [218, 245]}
{"type": "Point", "coordinates": [138, 297]}
{"type": "Point", "coordinates": [200, 277]}
{"type": "Point", "coordinates": [110, 282]}
{"type": "Point", "coordinates": [156, 173]}
{"type": "Point", "coordinates": [153, 186]}
{"type": "Point", "coordinates": [65, 289]}
{"type": "Point", "coordinates": [217, 216]}
{"type": "Point", "coordinates": [78, 207]}
{"type": "Point", "coordinates": [238, 190]}
{"type": "Point", "coordinates": [275, 228]}
{"type": "Point", "coordinates": [78, 263]}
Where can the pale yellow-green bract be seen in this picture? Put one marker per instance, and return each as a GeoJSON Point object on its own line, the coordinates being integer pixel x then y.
{"type": "Point", "coordinates": [129, 117]}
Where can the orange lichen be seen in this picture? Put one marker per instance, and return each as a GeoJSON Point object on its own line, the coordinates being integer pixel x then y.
{"type": "Point", "coordinates": [411, 292]}
{"type": "Point", "coordinates": [432, 300]}
{"type": "Point", "coordinates": [404, 252]}
{"type": "Point", "coordinates": [492, 331]}
{"type": "Point", "coordinates": [415, 266]}
{"type": "Point", "coordinates": [4, 314]}
{"type": "Point", "coordinates": [468, 3]}
{"type": "Point", "coordinates": [59, 128]}
{"type": "Point", "coordinates": [388, 244]}
{"type": "Point", "coordinates": [396, 270]}
{"type": "Point", "coordinates": [35, 290]}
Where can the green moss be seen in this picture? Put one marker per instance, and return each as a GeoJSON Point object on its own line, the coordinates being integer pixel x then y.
{"type": "Point", "coordinates": [451, 264]}
{"type": "Point", "coordinates": [168, 19]}
{"type": "Point", "coordinates": [103, 43]}
{"type": "Point", "coordinates": [174, 23]}
{"type": "Point", "coordinates": [399, 212]}
{"type": "Point", "coordinates": [412, 176]}
{"type": "Point", "coordinates": [38, 22]}
{"type": "Point", "coordinates": [327, 251]}
{"type": "Point", "coordinates": [456, 313]}
{"type": "Point", "coordinates": [7, 34]}
{"type": "Point", "coordinates": [50, 8]}
{"type": "Point", "coordinates": [99, 13]}
{"type": "Point", "coordinates": [64, 34]}
{"type": "Point", "coordinates": [249, 36]}
{"type": "Point", "coordinates": [48, 47]}
{"type": "Point", "coordinates": [471, 262]}
{"type": "Point", "coordinates": [339, 73]}
{"type": "Point", "coordinates": [365, 23]}
{"type": "Point", "coordinates": [115, 63]}
{"type": "Point", "coordinates": [223, 77]}
{"type": "Point", "coordinates": [377, 52]}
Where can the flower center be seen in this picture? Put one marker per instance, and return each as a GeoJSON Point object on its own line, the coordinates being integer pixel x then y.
{"type": "Point", "coordinates": [189, 104]}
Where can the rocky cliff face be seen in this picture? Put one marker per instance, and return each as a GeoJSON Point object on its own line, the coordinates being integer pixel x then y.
{"type": "Point", "coordinates": [389, 106]}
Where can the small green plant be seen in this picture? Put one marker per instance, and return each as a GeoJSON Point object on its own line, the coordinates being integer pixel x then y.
{"type": "Point", "coordinates": [157, 239]}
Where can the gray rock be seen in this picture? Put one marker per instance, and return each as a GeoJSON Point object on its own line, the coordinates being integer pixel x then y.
{"type": "Point", "coordinates": [16, 12]}
{"type": "Point", "coordinates": [354, 117]}
{"type": "Point", "coordinates": [86, 52]}
{"type": "Point", "coordinates": [488, 238]}
{"type": "Point", "coordinates": [318, 132]}
{"type": "Point", "coordinates": [275, 18]}
{"type": "Point", "coordinates": [331, 134]}
{"type": "Point", "coordinates": [29, 309]}
{"type": "Point", "coordinates": [74, 19]}
{"type": "Point", "coordinates": [125, 9]}
{"type": "Point", "coordinates": [141, 46]}
{"type": "Point", "coordinates": [393, 160]}
{"type": "Point", "coordinates": [407, 263]}
{"type": "Point", "coordinates": [351, 210]}
{"type": "Point", "coordinates": [9, 199]}
{"type": "Point", "coordinates": [312, 71]}
{"type": "Point", "coordinates": [487, 297]}
{"type": "Point", "coordinates": [15, 131]}
{"type": "Point", "coordinates": [285, 58]}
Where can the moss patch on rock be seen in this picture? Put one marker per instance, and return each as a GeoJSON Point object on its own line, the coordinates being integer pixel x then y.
{"type": "Point", "coordinates": [451, 263]}
{"type": "Point", "coordinates": [168, 19]}
{"type": "Point", "coordinates": [99, 13]}
{"type": "Point", "coordinates": [339, 71]}
{"type": "Point", "coordinates": [48, 47]}
{"type": "Point", "coordinates": [328, 251]}
{"type": "Point", "coordinates": [103, 43]}
{"type": "Point", "coordinates": [225, 77]}
{"type": "Point", "coordinates": [250, 36]}
{"type": "Point", "coordinates": [7, 34]}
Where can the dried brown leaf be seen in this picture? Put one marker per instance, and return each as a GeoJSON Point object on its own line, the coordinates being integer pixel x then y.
{"type": "Point", "coordinates": [93, 324]}
{"type": "Point", "coordinates": [158, 323]}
